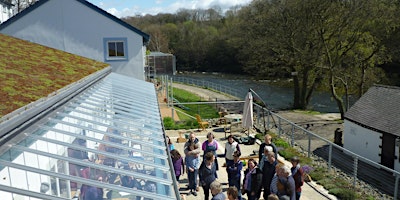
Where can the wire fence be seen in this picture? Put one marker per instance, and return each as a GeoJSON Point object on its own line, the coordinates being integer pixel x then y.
{"type": "Point", "coordinates": [338, 158]}
{"type": "Point", "coordinates": [207, 85]}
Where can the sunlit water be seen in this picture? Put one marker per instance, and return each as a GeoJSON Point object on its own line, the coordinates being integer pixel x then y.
{"type": "Point", "coordinates": [276, 98]}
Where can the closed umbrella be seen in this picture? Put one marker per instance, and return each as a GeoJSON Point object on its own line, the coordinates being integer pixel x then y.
{"type": "Point", "coordinates": [247, 120]}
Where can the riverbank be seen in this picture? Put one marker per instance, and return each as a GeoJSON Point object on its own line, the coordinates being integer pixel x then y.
{"type": "Point", "coordinates": [323, 124]}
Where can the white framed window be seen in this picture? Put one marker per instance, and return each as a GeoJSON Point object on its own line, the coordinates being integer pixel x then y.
{"type": "Point", "coordinates": [115, 49]}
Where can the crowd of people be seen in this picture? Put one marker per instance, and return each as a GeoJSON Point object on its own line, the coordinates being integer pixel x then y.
{"type": "Point", "coordinates": [88, 192]}
{"type": "Point", "coordinates": [267, 178]}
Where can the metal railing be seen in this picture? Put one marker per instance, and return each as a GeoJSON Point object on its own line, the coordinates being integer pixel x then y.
{"type": "Point", "coordinates": [355, 166]}
{"type": "Point", "coordinates": [374, 174]}
{"type": "Point", "coordinates": [208, 85]}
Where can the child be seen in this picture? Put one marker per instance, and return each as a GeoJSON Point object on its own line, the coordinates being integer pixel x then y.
{"type": "Point", "coordinates": [179, 165]}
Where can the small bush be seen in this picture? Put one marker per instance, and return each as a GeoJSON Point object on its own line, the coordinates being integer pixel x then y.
{"type": "Point", "coordinates": [318, 174]}
{"type": "Point", "coordinates": [288, 153]}
{"type": "Point", "coordinates": [281, 143]}
{"type": "Point", "coordinates": [343, 193]}
{"type": "Point", "coordinates": [168, 123]}
{"type": "Point", "coordinates": [260, 136]}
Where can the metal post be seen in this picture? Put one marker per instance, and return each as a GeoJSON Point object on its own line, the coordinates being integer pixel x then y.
{"type": "Point", "coordinates": [268, 114]}
{"type": "Point", "coordinates": [171, 93]}
{"type": "Point", "coordinates": [279, 127]}
{"type": "Point", "coordinates": [330, 158]}
{"type": "Point", "coordinates": [172, 114]}
{"type": "Point", "coordinates": [167, 91]}
{"type": "Point", "coordinates": [309, 145]}
{"type": "Point", "coordinates": [355, 171]}
{"type": "Point", "coordinates": [292, 136]}
{"type": "Point", "coordinates": [396, 186]}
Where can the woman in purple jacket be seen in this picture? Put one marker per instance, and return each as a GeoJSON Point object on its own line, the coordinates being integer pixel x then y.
{"type": "Point", "coordinates": [178, 163]}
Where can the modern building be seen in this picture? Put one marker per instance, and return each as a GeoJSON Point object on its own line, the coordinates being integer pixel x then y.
{"type": "Point", "coordinates": [101, 135]}
{"type": "Point", "coordinates": [81, 28]}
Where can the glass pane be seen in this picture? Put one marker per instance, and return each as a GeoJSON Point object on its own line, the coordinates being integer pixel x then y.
{"type": "Point", "coordinates": [108, 139]}
{"type": "Point", "coordinates": [111, 49]}
{"type": "Point", "coordinates": [120, 49]}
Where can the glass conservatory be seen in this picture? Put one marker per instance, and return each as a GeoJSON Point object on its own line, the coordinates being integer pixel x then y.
{"type": "Point", "coordinates": [105, 141]}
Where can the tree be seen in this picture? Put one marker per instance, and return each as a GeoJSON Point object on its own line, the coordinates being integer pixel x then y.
{"type": "Point", "coordinates": [159, 40]}
{"type": "Point", "coordinates": [20, 5]}
{"type": "Point", "coordinates": [283, 42]}
{"type": "Point", "coordinates": [346, 30]}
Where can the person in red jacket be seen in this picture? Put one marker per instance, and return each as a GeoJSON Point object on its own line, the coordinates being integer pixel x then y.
{"type": "Point", "coordinates": [298, 175]}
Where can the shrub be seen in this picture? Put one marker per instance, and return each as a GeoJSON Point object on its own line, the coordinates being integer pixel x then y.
{"type": "Point", "coordinates": [343, 193]}
{"type": "Point", "coordinates": [288, 153]}
{"type": "Point", "coordinates": [259, 136]}
{"type": "Point", "coordinates": [168, 123]}
{"type": "Point", "coordinates": [279, 142]}
{"type": "Point", "coordinates": [318, 174]}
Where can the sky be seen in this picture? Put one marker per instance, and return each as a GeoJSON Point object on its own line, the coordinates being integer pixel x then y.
{"type": "Point", "coordinates": [124, 8]}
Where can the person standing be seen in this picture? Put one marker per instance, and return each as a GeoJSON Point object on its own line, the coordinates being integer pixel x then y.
{"type": "Point", "coordinates": [170, 144]}
{"type": "Point", "coordinates": [232, 193]}
{"type": "Point", "coordinates": [177, 161]}
{"type": "Point", "coordinates": [252, 180]}
{"type": "Point", "coordinates": [267, 142]}
{"type": "Point", "coordinates": [207, 173]}
{"type": "Point", "coordinates": [274, 186]}
{"type": "Point", "coordinates": [192, 139]}
{"type": "Point", "coordinates": [286, 184]}
{"type": "Point", "coordinates": [234, 172]}
{"type": "Point", "coordinates": [211, 145]}
{"type": "Point", "coordinates": [192, 164]}
{"type": "Point", "coordinates": [268, 168]}
{"type": "Point", "coordinates": [298, 175]}
{"type": "Point", "coordinates": [216, 191]}
{"type": "Point", "coordinates": [230, 147]}
{"type": "Point", "coordinates": [194, 152]}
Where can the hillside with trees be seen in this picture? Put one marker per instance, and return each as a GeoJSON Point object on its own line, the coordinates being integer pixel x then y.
{"type": "Point", "coordinates": [338, 46]}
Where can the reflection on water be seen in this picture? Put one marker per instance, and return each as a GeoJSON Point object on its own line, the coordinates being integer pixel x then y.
{"type": "Point", "coordinates": [276, 97]}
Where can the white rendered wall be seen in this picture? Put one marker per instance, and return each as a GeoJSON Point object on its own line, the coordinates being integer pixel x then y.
{"type": "Point", "coordinates": [362, 141]}
{"type": "Point", "coordinates": [73, 27]}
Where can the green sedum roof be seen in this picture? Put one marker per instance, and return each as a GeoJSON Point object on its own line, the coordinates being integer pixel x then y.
{"type": "Point", "coordinates": [29, 71]}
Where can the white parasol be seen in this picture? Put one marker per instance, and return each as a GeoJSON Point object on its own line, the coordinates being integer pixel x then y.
{"type": "Point", "coordinates": [247, 120]}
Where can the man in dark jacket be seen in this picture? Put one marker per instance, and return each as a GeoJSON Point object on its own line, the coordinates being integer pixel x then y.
{"type": "Point", "coordinates": [207, 173]}
{"type": "Point", "coordinates": [267, 142]}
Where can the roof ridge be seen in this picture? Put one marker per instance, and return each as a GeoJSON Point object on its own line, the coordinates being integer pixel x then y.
{"type": "Point", "coordinates": [387, 86]}
{"type": "Point", "coordinates": [146, 37]}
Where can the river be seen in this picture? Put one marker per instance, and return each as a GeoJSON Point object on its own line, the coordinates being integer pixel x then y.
{"type": "Point", "coordinates": [276, 97]}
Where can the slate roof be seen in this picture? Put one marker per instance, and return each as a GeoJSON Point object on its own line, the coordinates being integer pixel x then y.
{"type": "Point", "coordinates": [378, 109]}
{"type": "Point", "coordinates": [145, 36]}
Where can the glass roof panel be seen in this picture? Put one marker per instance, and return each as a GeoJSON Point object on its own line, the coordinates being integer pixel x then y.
{"type": "Point", "coordinates": [107, 141]}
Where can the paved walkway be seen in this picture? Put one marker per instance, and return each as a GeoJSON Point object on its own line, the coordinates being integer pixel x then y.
{"type": "Point", "coordinates": [311, 190]}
